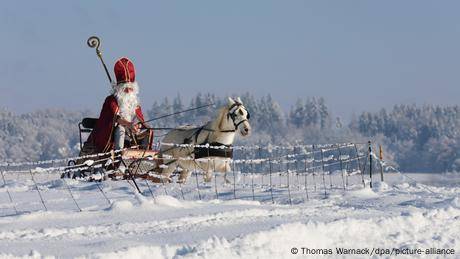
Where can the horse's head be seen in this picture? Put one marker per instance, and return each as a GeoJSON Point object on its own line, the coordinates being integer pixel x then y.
{"type": "Point", "coordinates": [239, 115]}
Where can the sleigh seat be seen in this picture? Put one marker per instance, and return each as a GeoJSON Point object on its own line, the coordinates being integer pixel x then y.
{"type": "Point", "coordinates": [86, 126]}
{"type": "Point", "coordinates": [138, 161]}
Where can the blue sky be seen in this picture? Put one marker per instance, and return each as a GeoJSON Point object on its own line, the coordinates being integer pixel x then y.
{"type": "Point", "coordinates": [358, 55]}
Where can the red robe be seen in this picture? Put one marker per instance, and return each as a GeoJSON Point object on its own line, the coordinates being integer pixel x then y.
{"type": "Point", "coordinates": [102, 135]}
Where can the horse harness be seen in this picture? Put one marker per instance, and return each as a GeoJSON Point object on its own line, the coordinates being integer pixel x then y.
{"type": "Point", "coordinates": [232, 115]}
{"type": "Point", "coordinates": [203, 149]}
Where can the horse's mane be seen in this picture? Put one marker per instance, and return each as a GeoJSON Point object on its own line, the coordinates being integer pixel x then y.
{"type": "Point", "coordinates": [221, 117]}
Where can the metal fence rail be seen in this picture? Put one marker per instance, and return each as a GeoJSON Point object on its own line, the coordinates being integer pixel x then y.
{"type": "Point", "coordinates": [288, 174]}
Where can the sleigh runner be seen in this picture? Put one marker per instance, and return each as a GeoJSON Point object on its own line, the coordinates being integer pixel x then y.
{"type": "Point", "coordinates": [91, 165]}
{"type": "Point", "coordinates": [207, 148]}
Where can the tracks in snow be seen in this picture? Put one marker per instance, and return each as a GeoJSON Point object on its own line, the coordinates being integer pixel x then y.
{"type": "Point", "coordinates": [183, 224]}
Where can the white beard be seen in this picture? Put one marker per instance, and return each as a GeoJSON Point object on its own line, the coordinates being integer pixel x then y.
{"type": "Point", "coordinates": [127, 102]}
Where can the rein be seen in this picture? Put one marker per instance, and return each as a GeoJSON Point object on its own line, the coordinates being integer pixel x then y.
{"type": "Point", "coordinates": [232, 115]}
{"type": "Point", "coordinates": [226, 151]}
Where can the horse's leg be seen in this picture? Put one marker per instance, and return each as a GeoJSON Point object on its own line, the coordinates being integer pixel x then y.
{"type": "Point", "coordinates": [208, 173]}
{"type": "Point", "coordinates": [227, 169]}
{"type": "Point", "coordinates": [184, 174]}
{"type": "Point", "coordinates": [167, 171]}
{"type": "Point", "coordinates": [186, 167]}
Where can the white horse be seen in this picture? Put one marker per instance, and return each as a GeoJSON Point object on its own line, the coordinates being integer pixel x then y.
{"type": "Point", "coordinates": [221, 131]}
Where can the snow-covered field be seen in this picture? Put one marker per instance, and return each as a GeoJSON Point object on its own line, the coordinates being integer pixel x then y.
{"type": "Point", "coordinates": [397, 216]}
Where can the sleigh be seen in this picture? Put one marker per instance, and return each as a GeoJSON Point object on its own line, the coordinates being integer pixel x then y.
{"type": "Point", "coordinates": [127, 163]}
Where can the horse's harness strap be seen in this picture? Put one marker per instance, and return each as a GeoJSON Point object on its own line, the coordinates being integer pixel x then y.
{"type": "Point", "coordinates": [225, 131]}
{"type": "Point", "coordinates": [238, 124]}
{"type": "Point", "coordinates": [232, 115]}
{"type": "Point", "coordinates": [199, 151]}
{"type": "Point", "coordinates": [198, 133]}
{"type": "Point", "coordinates": [226, 151]}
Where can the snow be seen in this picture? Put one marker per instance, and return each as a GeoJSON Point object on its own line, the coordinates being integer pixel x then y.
{"type": "Point", "coordinates": [399, 213]}
{"type": "Point", "coordinates": [121, 206]}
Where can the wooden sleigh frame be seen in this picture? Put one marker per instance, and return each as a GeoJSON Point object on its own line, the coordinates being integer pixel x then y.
{"type": "Point", "coordinates": [137, 162]}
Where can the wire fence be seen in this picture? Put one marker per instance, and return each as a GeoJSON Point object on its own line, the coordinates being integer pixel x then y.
{"type": "Point", "coordinates": [288, 174]}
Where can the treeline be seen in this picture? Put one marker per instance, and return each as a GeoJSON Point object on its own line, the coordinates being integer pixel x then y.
{"type": "Point", "coordinates": [417, 138]}
{"type": "Point", "coordinates": [39, 135]}
{"type": "Point", "coordinates": [311, 117]}
{"type": "Point", "coordinates": [422, 138]}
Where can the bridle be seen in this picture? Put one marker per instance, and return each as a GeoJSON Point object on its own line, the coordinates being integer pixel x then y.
{"type": "Point", "coordinates": [217, 152]}
{"type": "Point", "coordinates": [226, 152]}
{"type": "Point", "coordinates": [232, 114]}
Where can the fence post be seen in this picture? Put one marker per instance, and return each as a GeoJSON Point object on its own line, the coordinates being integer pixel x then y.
{"type": "Point", "coordinates": [103, 193]}
{"type": "Point", "coordinates": [71, 195]}
{"type": "Point", "coordinates": [196, 179]}
{"type": "Point", "coordinates": [261, 168]}
{"type": "Point", "coordinates": [252, 180]}
{"type": "Point", "coordinates": [234, 178]}
{"type": "Point", "coordinates": [150, 189]}
{"type": "Point", "coordinates": [330, 173]}
{"type": "Point", "coordinates": [297, 173]}
{"type": "Point", "coordinates": [306, 174]}
{"type": "Point", "coordinates": [36, 186]}
{"type": "Point", "coordinates": [8, 191]}
{"type": "Point", "coordinates": [359, 166]}
{"type": "Point", "coordinates": [370, 162]}
{"type": "Point", "coordinates": [380, 162]}
{"type": "Point", "coordinates": [347, 171]}
{"type": "Point", "coordinates": [215, 177]}
{"type": "Point", "coordinates": [270, 171]}
{"type": "Point", "coordinates": [314, 167]}
{"type": "Point", "coordinates": [180, 184]}
{"type": "Point", "coordinates": [288, 185]}
{"type": "Point", "coordinates": [324, 172]}
{"type": "Point", "coordinates": [280, 170]}
{"type": "Point", "coordinates": [243, 175]}
{"type": "Point", "coordinates": [341, 166]}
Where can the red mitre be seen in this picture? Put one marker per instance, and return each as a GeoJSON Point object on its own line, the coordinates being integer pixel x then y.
{"type": "Point", "coordinates": [124, 71]}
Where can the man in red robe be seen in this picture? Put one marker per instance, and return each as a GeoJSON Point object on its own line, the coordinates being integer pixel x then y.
{"type": "Point", "coordinates": [121, 119]}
